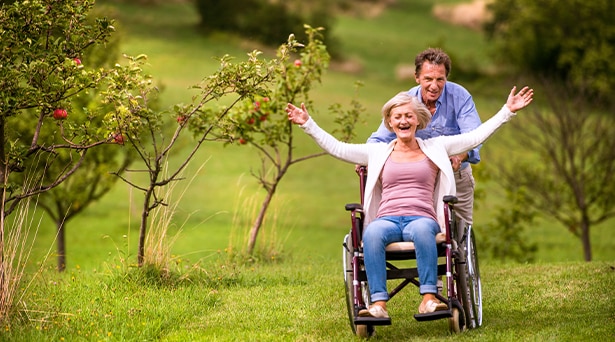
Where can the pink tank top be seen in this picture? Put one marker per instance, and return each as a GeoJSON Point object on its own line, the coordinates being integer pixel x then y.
{"type": "Point", "coordinates": [408, 188]}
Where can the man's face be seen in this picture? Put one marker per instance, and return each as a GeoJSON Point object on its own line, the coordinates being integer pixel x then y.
{"type": "Point", "coordinates": [431, 79]}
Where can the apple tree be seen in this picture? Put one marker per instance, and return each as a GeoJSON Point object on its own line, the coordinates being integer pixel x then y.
{"type": "Point", "coordinates": [41, 73]}
{"type": "Point", "coordinates": [42, 43]}
{"type": "Point", "coordinates": [150, 137]}
{"type": "Point", "coordinates": [261, 121]}
{"type": "Point", "coordinates": [92, 180]}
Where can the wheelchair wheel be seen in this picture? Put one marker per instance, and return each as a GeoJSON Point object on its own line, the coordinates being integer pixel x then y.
{"type": "Point", "coordinates": [455, 323]}
{"type": "Point", "coordinates": [348, 277]}
{"type": "Point", "coordinates": [359, 330]}
{"type": "Point", "coordinates": [469, 282]}
{"type": "Point", "coordinates": [475, 287]}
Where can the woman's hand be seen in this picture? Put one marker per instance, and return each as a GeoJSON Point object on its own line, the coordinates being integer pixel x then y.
{"type": "Point", "coordinates": [296, 115]}
{"type": "Point", "coordinates": [520, 100]}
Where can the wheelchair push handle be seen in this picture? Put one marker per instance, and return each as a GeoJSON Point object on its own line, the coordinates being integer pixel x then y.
{"type": "Point", "coordinates": [450, 199]}
{"type": "Point", "coordinates": [362, 172]}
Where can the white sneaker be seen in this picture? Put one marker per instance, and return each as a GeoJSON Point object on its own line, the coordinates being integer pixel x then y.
{"type": "Point", "coordinates": [375, 311]}
{"type": "Point", "coordinates": [432, 306]}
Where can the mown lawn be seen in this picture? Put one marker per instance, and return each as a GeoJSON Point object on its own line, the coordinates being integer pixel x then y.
{"type": "Point", "coordinates": [303, 300]}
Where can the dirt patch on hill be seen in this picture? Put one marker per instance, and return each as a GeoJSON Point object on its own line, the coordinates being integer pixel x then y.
{"type": "Point", "coordinates": [472, 14]}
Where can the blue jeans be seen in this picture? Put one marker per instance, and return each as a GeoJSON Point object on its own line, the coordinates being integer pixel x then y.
{"type": "Point", "coordinates": [385, 230]}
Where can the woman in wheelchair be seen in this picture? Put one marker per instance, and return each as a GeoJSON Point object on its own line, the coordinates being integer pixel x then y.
{"type": "Point", "coordinates": [406, 181]}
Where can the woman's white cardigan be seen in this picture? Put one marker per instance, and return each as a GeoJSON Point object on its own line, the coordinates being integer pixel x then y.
{"type": "Point", "coordinates": [438, 149]}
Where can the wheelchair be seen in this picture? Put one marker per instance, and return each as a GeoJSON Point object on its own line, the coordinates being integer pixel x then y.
{"type": "Point", "coordinates": [457, 263]}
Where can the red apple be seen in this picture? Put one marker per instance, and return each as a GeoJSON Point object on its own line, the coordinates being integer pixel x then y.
{"type": "Point", "coordinates": [242, 141]}
{"type": "Point", "coordinates": [77, 61]}
{"type": "Point", "coordinates": [118, 138]}
{"type": "Point", "coordinates": [297, 63]}
{"type": "Point", "coordinates": [263, 117]}
{"type": "Point", "coordinates": [181, 119]}
{"type": "Point", "coordinates": [60, 114]}
{"type": "Point", "coordinates": [265, 99]}
{"type": "Point", "coordinates": [251, 121]}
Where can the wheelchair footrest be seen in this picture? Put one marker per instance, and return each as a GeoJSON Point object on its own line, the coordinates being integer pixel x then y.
{"type": "Point", "coordinates": [432, 316]}
{"type": "Point", "coordinates": [372, 321]}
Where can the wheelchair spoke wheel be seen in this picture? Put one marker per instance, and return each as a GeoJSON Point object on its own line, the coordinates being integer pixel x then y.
{"type": "Point", "coordinates": [476, 294]}
{"type": "Point", "coordinates": [359, 330]}
{"type": "Point", "coordinates": [469, 287]}
{"type": "Point", "coordinates": [348, 277]}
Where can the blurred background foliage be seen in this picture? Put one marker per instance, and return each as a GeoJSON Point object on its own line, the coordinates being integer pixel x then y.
{"type": "Point", "coordinates": [562, 40]}
{"type": "Point", "coordinates": [375, 41]}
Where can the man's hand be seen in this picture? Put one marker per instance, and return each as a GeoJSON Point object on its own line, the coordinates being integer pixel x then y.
{"type": "Point", "coordinates": [457, 160]}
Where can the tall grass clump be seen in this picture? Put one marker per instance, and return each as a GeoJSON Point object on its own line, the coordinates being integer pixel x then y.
{"type": "Point", "coordinates": [161, 267]}
{"type": "Point", "coordinates": [17, 237]}
{"type": "Point", "coordinates": [158, 242]}
{"type": "Point", "coordinates": [270, 247]}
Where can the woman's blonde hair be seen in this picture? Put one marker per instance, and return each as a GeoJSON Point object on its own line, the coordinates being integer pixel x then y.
{"type": "Point", "coordinates": [403, 98]}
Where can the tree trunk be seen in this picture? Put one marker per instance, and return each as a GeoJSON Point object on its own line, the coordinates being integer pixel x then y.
{"type": "Point", "coordinates": [61, 241]}
{"type": "Point", "coordinates": [143, 226]}
{"type": "Point", "coordinates": [259, 219]}
{"type": "Point", "coordinates": [585, 239]}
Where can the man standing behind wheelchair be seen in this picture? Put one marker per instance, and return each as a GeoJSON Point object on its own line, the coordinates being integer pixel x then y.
{"type": "Point", "coordinates": [406, 182]}
{"type": "Point", "coordinates": [452, 112]}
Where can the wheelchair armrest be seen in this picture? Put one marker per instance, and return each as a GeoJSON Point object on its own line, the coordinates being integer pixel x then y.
{"type": "Point", "coordinates": [353, 206]}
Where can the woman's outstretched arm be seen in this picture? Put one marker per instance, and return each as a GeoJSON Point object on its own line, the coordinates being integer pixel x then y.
{"type": "Point", "coordinates": [455, 144]}
{"type": "Point", "coordinates": [352, 153]}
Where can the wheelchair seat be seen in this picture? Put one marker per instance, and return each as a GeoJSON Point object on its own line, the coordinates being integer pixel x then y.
{"type": "Point", "coordinates": [408, 246]}
{"type": "Point", "coordinates": [405, 250]}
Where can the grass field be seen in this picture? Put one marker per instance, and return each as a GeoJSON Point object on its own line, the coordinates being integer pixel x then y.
{"type": "Point", "coordinates": [299, 296]}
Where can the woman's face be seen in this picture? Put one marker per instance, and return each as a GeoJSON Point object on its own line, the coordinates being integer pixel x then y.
{"type": "Point", "coordinates": [403, 121]}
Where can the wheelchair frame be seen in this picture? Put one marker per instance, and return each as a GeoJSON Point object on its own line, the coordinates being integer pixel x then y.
{"type": "Point", "coordinates": [457, 262]}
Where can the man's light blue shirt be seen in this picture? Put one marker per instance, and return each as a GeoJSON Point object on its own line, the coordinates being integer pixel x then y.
{"type": "Point", "coordinates": [455, 114]}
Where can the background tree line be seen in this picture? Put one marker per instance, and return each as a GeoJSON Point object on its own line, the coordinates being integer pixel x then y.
{"type": "Point", "coordinates": [567, 50]}
{"type": "Point", "coordinates": [564, 41]}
